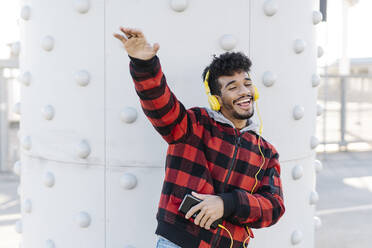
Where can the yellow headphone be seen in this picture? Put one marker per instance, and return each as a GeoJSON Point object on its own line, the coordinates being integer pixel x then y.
{"type": "Point", "coordinates": [213, 101]}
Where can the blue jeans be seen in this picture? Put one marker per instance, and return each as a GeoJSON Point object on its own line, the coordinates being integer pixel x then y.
{"type": "Point", "coordinates": [165, 243]}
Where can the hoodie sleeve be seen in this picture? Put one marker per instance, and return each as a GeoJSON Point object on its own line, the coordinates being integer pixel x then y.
{"type": "Point", "coordinates": [168, 116]}
{"type": "Point", "coordinates": [261, 209]}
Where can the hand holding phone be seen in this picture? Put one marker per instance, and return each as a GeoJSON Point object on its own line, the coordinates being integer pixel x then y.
{"type": "Point", "coordinates": [188, 202]}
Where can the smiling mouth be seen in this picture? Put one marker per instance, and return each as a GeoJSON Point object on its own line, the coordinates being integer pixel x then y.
{"type": "Point", "coordinates": [244, 103]}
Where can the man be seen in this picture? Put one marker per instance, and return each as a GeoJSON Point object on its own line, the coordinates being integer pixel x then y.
{"type": "Point", "coordinates": [215, 155]}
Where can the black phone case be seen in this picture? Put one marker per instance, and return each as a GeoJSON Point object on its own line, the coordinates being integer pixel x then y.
{"type": "Point", "coordinates": [188, 202]}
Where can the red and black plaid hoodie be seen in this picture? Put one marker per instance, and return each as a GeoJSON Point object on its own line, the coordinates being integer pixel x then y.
{"type": "Point", "coordinates": [206, 154]}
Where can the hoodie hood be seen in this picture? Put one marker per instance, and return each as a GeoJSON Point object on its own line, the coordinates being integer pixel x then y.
{"type": "Point", "coordinates": [219, 117]}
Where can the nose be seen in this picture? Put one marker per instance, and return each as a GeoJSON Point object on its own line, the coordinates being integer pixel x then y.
{"type": "Point", "coordinates": [246, 90]}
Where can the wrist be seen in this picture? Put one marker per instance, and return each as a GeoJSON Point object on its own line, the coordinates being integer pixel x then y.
{"type": "Point", "coordinates": [142, 62]}
{"type": "Point", "coordinates": [228, 204]}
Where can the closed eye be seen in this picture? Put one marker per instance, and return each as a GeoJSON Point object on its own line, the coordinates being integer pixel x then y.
{"type": "Point", "coordinates": [248, 83]}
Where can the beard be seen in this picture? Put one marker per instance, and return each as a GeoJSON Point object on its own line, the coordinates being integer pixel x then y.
{"type": "Point", "coordinates": [240, 116]}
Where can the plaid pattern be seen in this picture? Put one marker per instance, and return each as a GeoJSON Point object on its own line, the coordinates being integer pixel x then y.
{"type": "Point", "coordinates": [207, 157]}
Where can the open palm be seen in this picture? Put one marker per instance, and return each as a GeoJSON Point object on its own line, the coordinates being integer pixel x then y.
{"type": "Point", "coordinates": [136, 45]}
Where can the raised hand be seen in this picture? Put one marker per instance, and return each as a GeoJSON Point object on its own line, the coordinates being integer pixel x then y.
{"type": "Point", "coordinates": [136, 45]}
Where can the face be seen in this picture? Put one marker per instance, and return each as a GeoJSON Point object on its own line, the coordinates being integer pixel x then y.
{"type": "Point", "coordinates": [236, 96]}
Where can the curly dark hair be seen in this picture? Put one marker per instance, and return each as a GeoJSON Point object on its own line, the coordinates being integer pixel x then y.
{"type": "Point", "coordinates": [225, 65]}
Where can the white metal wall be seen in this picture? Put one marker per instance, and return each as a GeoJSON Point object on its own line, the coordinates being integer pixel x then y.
{"type": "Point", "coordinates": [92, 165]}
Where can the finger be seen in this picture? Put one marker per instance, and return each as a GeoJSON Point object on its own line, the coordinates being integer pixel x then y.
{"type": "Point", "coordinates": [132, 32]}
{"type": "Point", "coordinates": [120, 37]}
{"type": "Point", "coordinates": [137, 32]}
{"type": "Point", "coordinates": [127, 31]}
{"type": "Point", "coordinates": [200, 216]}
{"type": "Point", "coordinates": [193, 210]}
{"type": "Point", "coordinates": [209, 222]}
{"type": "Point", "coordinates": [204, 220]}
{"type": "Point", "coordinates": [200, 196]}
{"type": "Point", "coordinates": [156, 47]}
{"type": "Point", "coordinates": [127, 34]}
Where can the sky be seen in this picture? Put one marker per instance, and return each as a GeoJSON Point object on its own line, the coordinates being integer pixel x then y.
{"type": "Point", "coordinates": [328, 33]}
{"type": "Point", "coordinates": [360, 37]}
{"type": "Point", "coordinates": [9, 14]}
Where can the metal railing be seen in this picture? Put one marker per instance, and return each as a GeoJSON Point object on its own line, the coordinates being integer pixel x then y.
{"type": "Point", "coordinates": [8, 69]}
{"type": "Point", "coordinates": [347, 110]}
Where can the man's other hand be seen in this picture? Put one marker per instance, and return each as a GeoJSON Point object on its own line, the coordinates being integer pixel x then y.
{"type": "Point", "coordinates": [136, 45]}
{"type": "Point", "coordinates": [211, 209]}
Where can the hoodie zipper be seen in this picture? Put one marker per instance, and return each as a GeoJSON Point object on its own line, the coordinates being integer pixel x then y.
{"type": "Point", "coordinates": [237, 144]}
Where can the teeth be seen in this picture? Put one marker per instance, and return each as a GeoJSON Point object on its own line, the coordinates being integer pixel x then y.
{"type": "Point", "coordinates": [245, 101]}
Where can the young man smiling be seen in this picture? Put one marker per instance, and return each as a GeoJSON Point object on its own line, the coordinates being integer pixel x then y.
{"type": "Point", "coordinates": [215, 155]}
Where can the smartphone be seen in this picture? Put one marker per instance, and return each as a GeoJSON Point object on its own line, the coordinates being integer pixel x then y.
{"type": "Point", "coordinates": [188, 202]}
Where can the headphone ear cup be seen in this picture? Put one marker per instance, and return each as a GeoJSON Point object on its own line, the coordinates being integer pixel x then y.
{"type": "Point", "coordinates": [256, 95]}
{"type": "Point", "coordinates": [213, 102]}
